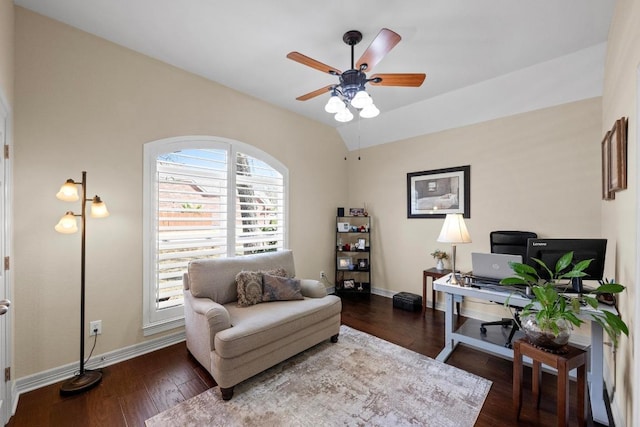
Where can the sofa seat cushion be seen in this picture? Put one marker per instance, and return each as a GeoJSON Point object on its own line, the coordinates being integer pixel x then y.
{"type": "Point", "coordinates": [261, 324]}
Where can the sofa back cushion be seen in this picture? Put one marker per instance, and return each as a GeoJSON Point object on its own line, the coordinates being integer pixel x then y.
{"type": "Point", "coordinates": [216, 278]}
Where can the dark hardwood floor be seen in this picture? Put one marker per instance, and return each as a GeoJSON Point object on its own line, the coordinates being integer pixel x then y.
{"type": "Point", "coordinates": [137, 389]}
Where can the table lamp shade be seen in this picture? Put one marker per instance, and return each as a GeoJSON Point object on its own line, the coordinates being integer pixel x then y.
{"type": "Point", "coordinates": [454, 230]}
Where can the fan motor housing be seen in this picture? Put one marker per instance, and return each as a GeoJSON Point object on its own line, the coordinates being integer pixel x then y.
{"type": "Point", "coordinates": [351, 82]}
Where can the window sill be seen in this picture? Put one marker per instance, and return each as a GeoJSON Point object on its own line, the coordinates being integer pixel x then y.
{"type": "Point", "coordinates": [162, 326]}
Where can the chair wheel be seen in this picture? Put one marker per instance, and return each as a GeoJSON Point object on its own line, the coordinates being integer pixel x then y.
{"type": "Point", "coordinates": [483, 330]}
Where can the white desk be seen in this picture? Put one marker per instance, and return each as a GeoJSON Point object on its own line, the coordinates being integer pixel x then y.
{"type": "Point", "coordinates": [452, 338]}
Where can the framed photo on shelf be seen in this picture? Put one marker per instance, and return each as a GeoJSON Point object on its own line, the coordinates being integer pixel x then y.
{"type": "Point", "coordinates": [363, 263]}
{"type": "Point", "coordinates": [435, 193]}
{"type": "Point", "coordinates": [349, 284]}
{"type": "Point", "coordinates": [344, 263]}
{"type": "Point", "coordinates": [356, 211]}
{"type": "Point", "coordinates": [362, 244]}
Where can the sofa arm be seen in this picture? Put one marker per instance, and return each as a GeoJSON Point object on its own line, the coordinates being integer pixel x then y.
{"type": "Point", "coordinates": [216, 315]}
{"type": "Point", "coordinates": [312, 288]}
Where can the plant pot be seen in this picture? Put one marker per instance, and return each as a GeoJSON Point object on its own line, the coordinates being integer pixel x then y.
{"type": "Point", "coordinates": [440, 265]}
{"type": "Point", "coordinates": [546, 338]}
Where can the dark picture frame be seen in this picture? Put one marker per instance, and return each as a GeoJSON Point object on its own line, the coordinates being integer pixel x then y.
{"type": "Point", "coordinates": [607, 193]}
{"type": "Point", "coordinates": [436, 193]}
{"type": "Point", "coordinates": [618, 155]}
{"type": "Point", "coordinates": [614, 159]}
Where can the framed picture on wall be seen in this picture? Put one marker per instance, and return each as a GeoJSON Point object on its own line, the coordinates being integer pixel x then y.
{"type": "Point", "coordinates": [607, 193]}
{"type": "Point", "coordinates": [435, 193]}
{"type": "Point", "coordinates": [618, 155]}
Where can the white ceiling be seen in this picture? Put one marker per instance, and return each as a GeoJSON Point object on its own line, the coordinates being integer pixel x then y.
{"type": "Point", "coordinates": [483, 59]}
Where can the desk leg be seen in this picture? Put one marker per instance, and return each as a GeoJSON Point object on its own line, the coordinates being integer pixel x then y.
{"type": "Point", "coordinates": [449, 344]}
{"type": "Point", "coordinates": [424, 293]}
{"type": "Point", "coordinates": [596, 388]}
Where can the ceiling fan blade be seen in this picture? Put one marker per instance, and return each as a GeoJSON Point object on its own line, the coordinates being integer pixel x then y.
{"type": "Point", "coordinates": [379, 47]}
{"type": "Point", "coordinates": [400, 79]}
{"type": "Point", "coordinates": [315, 93]}
{"type": "Point", "coordinates": [310, 62]}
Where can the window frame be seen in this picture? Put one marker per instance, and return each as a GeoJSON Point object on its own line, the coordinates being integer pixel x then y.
{"type": "Point", "coordinates": [154, 320]}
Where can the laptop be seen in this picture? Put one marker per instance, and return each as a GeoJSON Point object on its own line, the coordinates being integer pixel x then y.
{"type": "Point", "coordinates": [493, 267]}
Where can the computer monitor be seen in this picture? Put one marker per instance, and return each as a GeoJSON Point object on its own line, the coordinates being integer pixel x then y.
{"type": "Point", "coordinates": [549, 251]}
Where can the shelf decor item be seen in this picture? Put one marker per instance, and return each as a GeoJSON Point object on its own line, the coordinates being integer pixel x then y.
{"type": "Point", "coordinates": [548, 319]}
{"type": "Point", "coordinates": [439, 256]}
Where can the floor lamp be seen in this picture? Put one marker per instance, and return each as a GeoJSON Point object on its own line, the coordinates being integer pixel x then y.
{"type": "Point", "coordinates": [454, 231]}
{"type": "Point", "coordinates": [84, 379]}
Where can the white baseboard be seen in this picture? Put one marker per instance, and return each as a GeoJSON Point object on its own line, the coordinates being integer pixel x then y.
{"type": "Point", "coordinates": [51, 376]}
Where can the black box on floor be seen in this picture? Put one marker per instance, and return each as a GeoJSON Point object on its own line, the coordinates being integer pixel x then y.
{"type": "Point", "coordinates": [407, 301]}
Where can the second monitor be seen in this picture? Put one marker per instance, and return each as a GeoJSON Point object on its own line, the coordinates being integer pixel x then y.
{"type": "Point", "coordinates": [549, 251]}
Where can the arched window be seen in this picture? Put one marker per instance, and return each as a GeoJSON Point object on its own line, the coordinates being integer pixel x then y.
{"type": "Point", "coordinates": [204, 197]}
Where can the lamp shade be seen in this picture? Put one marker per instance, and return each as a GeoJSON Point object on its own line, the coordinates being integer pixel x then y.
{"type": "Point", "coordinates": [334, 105]}
{"type": "Point", "coordinates": [454, 230]}
{"type": "Point", "coordinates": [98, 208]}
{"type": "Point", "coordinates": [369, 111]}
{"type": "Point", "coordinates": [68, 192]}
{"type": "Point", "coordinates": [344, 116]}
{"type": "Point", "coordinates": [361, 99]}
{"type": "Point", "coordinates": [67, 224]}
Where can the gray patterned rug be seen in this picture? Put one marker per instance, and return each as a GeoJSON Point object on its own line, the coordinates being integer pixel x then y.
{"type": "Point", "coordinates": [359, 381]}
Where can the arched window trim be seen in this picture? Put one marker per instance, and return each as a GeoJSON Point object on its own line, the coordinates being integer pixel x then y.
{"type": "Point", "coordinates": [154, 320]}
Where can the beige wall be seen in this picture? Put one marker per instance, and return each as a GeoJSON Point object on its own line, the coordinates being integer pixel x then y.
{"type": "Point", "coordinates": [538, 171]}
{"type": "Point", "coordinates": [86, 104]}
{"type": "Point", "coordinates": [6, 49]}
{"type": "Point", "coordinates": [619, 217]}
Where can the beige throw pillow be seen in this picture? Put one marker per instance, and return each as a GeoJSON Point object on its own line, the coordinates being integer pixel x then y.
{"type": "Point", "coordinates": [249, 285]}
{"type": "Point", "coordinates": [280, 288]}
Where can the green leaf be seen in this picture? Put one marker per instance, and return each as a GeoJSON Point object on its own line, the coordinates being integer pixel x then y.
{"type": "Point", "coordinates": [513, 281]}
{"type": "Point", "coordinates": [575, 320]}
{"type": "Point", "coordinates": [543, 265]}
{"type": "Point", "coordinates": [616, 322]}
{"type": "Point", "coordinates": [564, 262]}
{"type": "Point", "coordinates": [609, 288]}
{"type": "Point", "coordinates": [582, 265]}
{"type": "Point", "coordinates": [591, 301]}
{"type": "Point", "coordinates": [520, 268]}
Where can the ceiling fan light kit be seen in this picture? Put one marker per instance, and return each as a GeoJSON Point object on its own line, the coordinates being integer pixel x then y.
{"type": "Point", "coordinates": [351, 91]}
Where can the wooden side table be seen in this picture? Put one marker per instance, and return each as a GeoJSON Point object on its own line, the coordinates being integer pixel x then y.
{"type": "Point", "coordinates": [574, 358]}
{"type": "Point", "coordinates": [435, 274]}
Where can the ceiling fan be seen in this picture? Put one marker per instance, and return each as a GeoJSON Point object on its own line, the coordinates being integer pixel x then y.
{"type": "Point", "coordinates": [351, 89]}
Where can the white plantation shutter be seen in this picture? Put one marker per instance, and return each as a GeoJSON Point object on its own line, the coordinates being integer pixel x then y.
{"type": "Point", "coordinates": [205, 198]}
{"type": "Point", "coordinates": [260, 207]}
{"type": "Point", "coordinates": [192, 216]}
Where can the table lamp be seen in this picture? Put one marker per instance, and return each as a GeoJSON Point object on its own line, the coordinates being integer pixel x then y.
{"type": "Point", "coordinates": [454, 231]}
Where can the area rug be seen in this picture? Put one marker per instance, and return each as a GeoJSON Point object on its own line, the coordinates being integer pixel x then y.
{"type": "Point", "coordinates": [359, 381]}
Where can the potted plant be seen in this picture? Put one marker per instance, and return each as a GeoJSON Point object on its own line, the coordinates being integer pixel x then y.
{"type": "Point", "coordinates": [440, 256]}
{"type": "Point", "coordinates": [548, 319]}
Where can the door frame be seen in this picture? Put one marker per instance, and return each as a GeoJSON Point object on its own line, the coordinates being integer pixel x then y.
{"type": "Point", "coordinates": [6, 337]}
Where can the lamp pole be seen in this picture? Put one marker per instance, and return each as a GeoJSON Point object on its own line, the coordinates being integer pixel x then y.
{"type": "Point", "coordinates": [84, 379]}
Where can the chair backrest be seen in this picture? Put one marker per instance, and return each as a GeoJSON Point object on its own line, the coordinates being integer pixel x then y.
{"type": "Point", "coordinates": [511, 242]}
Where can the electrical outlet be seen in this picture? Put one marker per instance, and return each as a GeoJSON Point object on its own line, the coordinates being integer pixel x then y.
{"type": "Point", "coordinates": [95, 328]}
{"type": "Point", "coordinates": [322, 276]}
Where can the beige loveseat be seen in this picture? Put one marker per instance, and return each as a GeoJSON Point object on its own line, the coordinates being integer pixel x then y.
{"type": "Point", "coordinates": [234, 343]}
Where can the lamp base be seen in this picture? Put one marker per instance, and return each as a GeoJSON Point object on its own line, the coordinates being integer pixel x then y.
{"type": "Point", "coordinates": [81, 382]}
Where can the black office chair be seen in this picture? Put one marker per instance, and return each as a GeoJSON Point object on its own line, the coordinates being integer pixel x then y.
{"type": "Point", "coordinates": [512, 243]}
